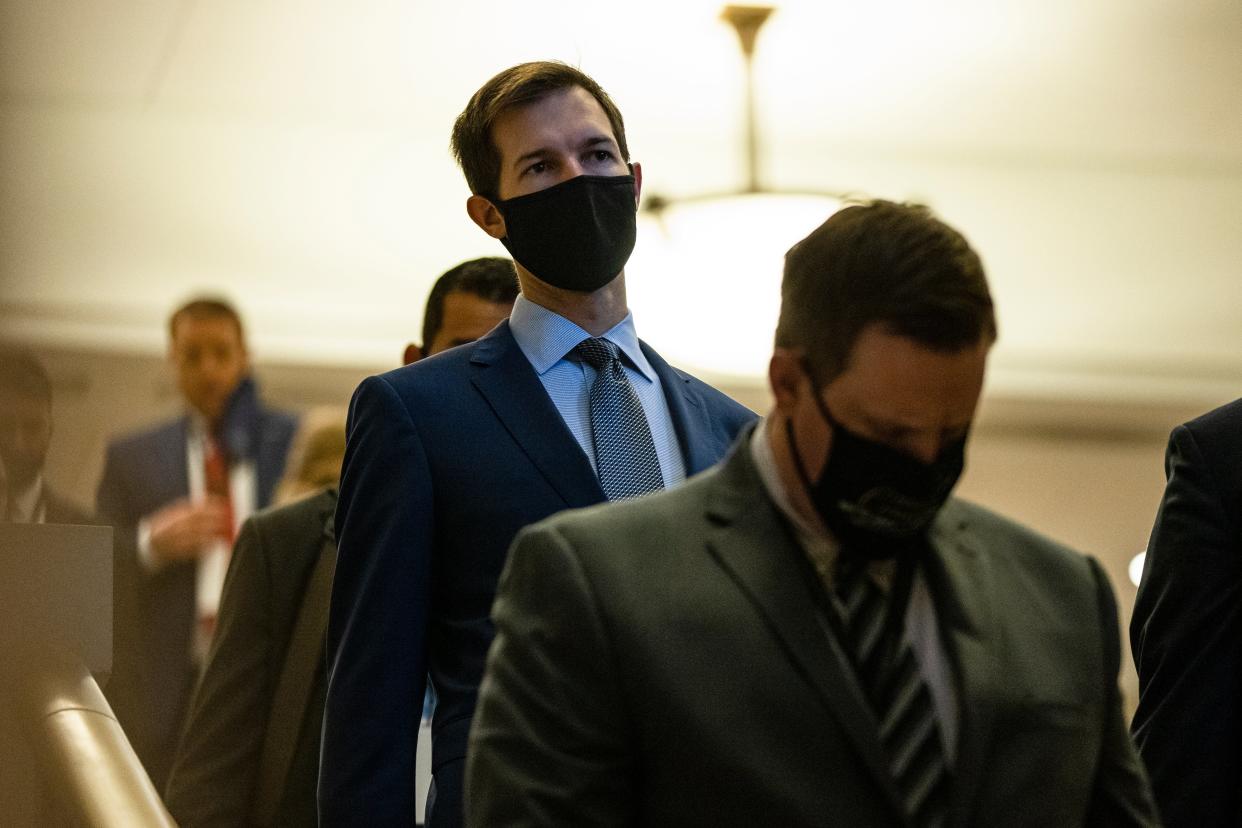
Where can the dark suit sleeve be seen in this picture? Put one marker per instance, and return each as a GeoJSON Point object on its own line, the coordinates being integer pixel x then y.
{"type": "Point", "coordinates": [113, 508]}
{"type": "Point", "coordinates": [1187, 639]}
{"type": "Point", "coordinates": [216, 765]}
{"type": "Point", "coordinates": [118, 504]}
{"type": "Point", "coordinates": [376, 645]}
{"type": "Point", "coordinates": [548, 744]}
{"type": "Point", "coordinates": [1121, 795]}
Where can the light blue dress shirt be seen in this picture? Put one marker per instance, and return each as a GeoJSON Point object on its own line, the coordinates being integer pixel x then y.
{"type": "Point", "coordinates": [547, 340]}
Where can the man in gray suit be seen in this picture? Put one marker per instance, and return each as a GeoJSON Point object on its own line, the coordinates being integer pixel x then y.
{"type": "Point", "coordinates": [813, 632]}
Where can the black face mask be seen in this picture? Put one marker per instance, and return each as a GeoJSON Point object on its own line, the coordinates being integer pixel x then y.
{"type": "Point", "coordinates": [877, 501]}
{"type": "Point", "coordinates": [575, 235]}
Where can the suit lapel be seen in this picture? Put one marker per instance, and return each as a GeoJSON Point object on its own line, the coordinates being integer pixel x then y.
{"type": "Point", "coordinates": [329, 515]}
{"type": "Point", "coordinates": [173, 443]}
{"type": "Point", "coordinates": [699, 448]}
{"type": "Point", "coordinates": [754, 545]}
{"type": "Point", "coordinates": [505, 378]}
{"type": "Point", "coordinates": [960, 584]}
{"type": "Point", "coordinates": [269, 457]}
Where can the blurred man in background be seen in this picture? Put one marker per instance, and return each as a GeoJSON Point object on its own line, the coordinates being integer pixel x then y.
{"type": "Point", "coordinates": [25, 437]}
{"type": "Point", "coordinates": [250, 753]}
{"type": "Point", "coordinates": [175, 494]}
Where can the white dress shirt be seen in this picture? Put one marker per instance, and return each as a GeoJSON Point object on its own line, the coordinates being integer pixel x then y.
{"type": "Point", "coordinates": [547, 339]}
{"type": "Point", "coordinates": [214, 563]}
{"type": "Point", "coordinates": [28, 505]}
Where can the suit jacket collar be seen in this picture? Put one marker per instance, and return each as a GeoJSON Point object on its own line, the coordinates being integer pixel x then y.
{"type": "Point", "coordinates": [505, 378]}
{"type": "Point", "coordinates": [545, 336]}
{"type": "Point", "coordinates": [328, 511]}
{"type": "Point", "coordinates": [691, 417]}
{"type": "Point", "coordinates": [501, 372]}
{"type": "Point", "coordinates": [169, 452]}
{"type": "Point", "coordinates": [240, 425]}
{"type": "Point", "coordinates": [960, 581]}
{"type": "Point", "coordinates": [250, 430]}
{"type": "Point", "coordinates": [757, 548]}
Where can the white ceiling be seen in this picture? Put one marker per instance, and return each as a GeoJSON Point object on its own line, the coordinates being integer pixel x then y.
{"type": "Point", "coordinates": [294, 154]}
{"type": "Point", "coordinates": [1139, 77]}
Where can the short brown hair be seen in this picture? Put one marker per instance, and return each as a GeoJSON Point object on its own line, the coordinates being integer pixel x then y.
{"type": "Point", "coordinates": [206, 307]}
{"type": "Point", "coordinates": [519, 85]}
{"type": "Point", "coordinates": [879, 261]}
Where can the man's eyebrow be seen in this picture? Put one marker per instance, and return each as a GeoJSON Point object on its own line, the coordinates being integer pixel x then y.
{"type": "Point", "coordinates": [588, 143]}
{"type": "Point", "coordinates": [533, 154]}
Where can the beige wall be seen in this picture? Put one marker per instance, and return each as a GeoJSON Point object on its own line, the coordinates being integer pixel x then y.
{"type": "Point", "coordinates": [1087, 474]}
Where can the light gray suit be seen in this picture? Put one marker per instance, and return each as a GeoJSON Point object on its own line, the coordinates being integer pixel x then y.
{"type": "Point", "coordinates": [668, 662]}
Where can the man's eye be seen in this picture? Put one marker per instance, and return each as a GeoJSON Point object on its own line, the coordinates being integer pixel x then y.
{"type": "Point", "coordinates": [538, 167]}
{"type": "Point", "coordinates": [603, 155]}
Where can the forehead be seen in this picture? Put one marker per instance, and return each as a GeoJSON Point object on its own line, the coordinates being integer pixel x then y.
{"type": "Point", "coordinates": [199, 330]}
{"type": "Point", "coordinates": [897, 381]}
{"type": "Point", "coordinates": [564, 118]}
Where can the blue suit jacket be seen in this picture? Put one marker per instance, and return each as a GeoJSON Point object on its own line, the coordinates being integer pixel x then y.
{"type": "Point", "coordinates": [154, 613]}
{"type": "Point", "coordinates": [446, 460]}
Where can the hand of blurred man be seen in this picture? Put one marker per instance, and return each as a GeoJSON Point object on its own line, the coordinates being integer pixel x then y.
{"type": "Point", "coordinates": [184, 530]}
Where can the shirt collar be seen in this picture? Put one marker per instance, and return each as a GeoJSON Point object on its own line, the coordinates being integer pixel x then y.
{"type": "Point", "coordinates": [769, 474]}
{"type": "Point", "coordinates": [196, 426]}
{"type": "Point", "coordinates": [823, 549]}
{"type": "Point", "coordinates": [546, 337]}
{"type": "Point", "coordinates": [26, 503]}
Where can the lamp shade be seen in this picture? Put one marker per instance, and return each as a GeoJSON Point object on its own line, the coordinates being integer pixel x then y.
{"type": "Point", "coordinates": [704, 280]}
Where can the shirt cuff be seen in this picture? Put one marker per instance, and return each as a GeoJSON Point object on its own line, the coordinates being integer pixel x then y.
{"type": "Point", "coordinates": [146, 555]}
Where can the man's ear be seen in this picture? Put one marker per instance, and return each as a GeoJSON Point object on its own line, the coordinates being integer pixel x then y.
{"type": "Point", "coordinates": [637, 170]}
{"type": "Point", "coordinates": [413, 353]}
{"type": "Point", "coordinates": [483, 213]}
{"type": "Point", "coordinates": [785, 376]}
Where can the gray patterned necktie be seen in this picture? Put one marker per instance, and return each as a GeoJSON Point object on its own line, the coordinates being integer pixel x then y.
{"type": "Point", "coordinates": [893, 684]}
{"type": "Point", "coordinates": [625, 454]}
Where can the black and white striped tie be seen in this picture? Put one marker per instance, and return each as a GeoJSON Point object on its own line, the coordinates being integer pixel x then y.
{"type": "Point", "coordinates": [890, 677]}
{"type": "Point", "coordinates": [625, 454]}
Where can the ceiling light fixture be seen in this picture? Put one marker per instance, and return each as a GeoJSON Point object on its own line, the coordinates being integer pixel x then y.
{"type": "Point", "coordinates": [720, 254]}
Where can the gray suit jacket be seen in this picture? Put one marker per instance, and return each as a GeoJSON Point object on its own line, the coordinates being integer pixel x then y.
{"type": "Point", "coordinates": [217, 766]}
{"type": "Point", "coordinates": [668, 662]}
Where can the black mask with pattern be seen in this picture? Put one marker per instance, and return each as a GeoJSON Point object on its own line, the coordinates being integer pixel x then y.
{"type": "Point", "coordinates": [878, 501]}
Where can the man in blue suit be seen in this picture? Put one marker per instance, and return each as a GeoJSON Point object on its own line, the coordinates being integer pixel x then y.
{"type": "Point", "coordinates": [560, 407]}
{"type": "Point", "coordinates": [176, 494]}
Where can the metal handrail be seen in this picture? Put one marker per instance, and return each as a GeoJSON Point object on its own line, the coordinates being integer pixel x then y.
{"type": "Point", "coordinates": [84, 755]}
